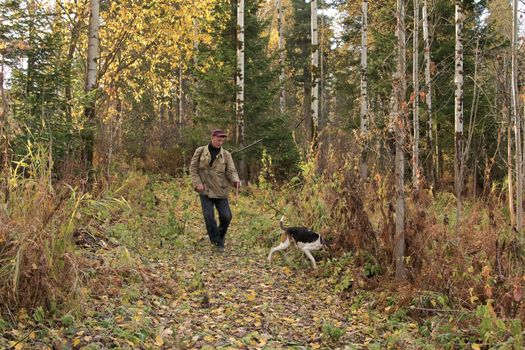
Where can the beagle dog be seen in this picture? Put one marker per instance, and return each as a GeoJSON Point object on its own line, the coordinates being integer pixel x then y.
{"type": "Point", "coordinates": [303, 238]}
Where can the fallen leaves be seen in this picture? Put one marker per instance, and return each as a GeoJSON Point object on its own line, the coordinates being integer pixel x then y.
{"type": "Point", "coordinates": [181, 295]}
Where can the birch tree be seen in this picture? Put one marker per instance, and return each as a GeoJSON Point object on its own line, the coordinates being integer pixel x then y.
{"type": "Point", "coordinates": [91, 83]}
{"type": "Point", "coordinates": [415, 103]}
{"type": "Point", "coordinates": [315, 73]}
{"type": "Point", "coordinates": [432, 135]}
{"type": "Point", "coordinates": [364, 85]}
{"type": "Point", "coordinates": [239, 105]}
{"type": "Point", "coordinates": [282, 56]}
{"type": "Point", "coordinates": [458, 109]}
{"type": "Point", "coordinates": [4, 143]}
{"type": "Point", "coordinates": [516, 118]}
{"type": "Point", "coordinates": [400, 107]}
{"type": "Point", "coordinates": [180, 101]}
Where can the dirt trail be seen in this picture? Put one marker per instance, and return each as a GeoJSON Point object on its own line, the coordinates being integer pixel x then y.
{"type": "Point", "coordinates": [238, 300]}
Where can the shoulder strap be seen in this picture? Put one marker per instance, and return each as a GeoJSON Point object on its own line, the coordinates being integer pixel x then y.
{"type": "Point", "coordinates": [200, 151]}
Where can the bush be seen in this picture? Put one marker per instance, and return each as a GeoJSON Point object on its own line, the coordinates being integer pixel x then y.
{"type": "Point", "coordinates": [38, 264]}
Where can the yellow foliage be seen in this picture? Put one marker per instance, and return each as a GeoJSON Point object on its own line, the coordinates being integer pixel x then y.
{"type": "Point", "coordinates": [143, 42]}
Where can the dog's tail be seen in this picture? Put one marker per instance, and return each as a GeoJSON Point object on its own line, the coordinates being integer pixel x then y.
{"type": "Point", "coordinates": [281, 223]}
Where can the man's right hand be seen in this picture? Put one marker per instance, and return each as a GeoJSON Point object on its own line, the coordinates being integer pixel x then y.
{"type": "Point", "coordinates": [199, 188]}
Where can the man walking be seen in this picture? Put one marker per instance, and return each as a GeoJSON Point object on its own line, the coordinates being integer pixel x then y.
{"type": "Point", "coordinates": [212, 171]}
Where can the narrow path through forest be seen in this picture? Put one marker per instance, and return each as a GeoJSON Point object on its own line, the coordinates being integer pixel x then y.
{"type": "Point", "coordinates": [242, 301]}
{"type": "Point", "coordinates": [156, 283]}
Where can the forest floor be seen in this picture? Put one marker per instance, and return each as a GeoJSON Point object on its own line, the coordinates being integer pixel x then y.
{"type": "Point", "coordinates": [168, 289]}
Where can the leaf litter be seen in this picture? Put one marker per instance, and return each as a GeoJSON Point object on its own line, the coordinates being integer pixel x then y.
{"type": "Point", "coordinates": [177, 293]}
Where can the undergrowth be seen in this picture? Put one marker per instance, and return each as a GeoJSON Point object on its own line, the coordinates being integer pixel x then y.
{"type": "Point", "coordinates": [38, 263]}
{"type": "Point", "coordinates": [59, 247]}
{"type": "Point", "coordinates": [473, 271]}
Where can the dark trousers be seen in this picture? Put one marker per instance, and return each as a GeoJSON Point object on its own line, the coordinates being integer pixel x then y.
{"type": "Point", "coordinates": [215, 233]}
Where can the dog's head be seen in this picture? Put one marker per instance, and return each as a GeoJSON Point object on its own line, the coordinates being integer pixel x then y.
{"type": "Point", "coordinates": [328, 243]}
{"type": "Point", "coordinates": [327, 240]}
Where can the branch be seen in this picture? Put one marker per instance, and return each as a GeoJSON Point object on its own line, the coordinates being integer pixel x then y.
{"type": "Point", "coordinates": [250, 145]}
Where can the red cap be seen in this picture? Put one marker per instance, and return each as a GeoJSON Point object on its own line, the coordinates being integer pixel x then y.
{"type": "Point", "coordinates": [219, 133]}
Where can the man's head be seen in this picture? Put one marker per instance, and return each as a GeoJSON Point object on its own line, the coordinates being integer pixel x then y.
{"type": "Point", "coordinates": [217, 137]}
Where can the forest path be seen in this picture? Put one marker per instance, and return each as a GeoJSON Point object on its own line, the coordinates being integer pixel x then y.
{"type": "Point", "coordinates": [158, 284]}
{"type": "Point", "coordinates": [238, 300]}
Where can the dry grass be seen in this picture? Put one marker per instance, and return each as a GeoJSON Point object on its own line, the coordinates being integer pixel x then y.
{"type": "Point", "coordinates": [38, 264]}
{"type": "Point", "coordinates": [480, 263]}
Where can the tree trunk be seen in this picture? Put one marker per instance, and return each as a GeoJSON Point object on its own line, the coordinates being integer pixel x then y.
{"type": "Point", "coordinates": [415, 106]}
{"type": "Point", "coordinates": [474, 107]}
{"type": "Point", "coordinates": [307, 113]}
{"type": "Point", "coordinates": [4, 142]}
{"type": "Point", "coordinates": [364, 88]}
{"type": "Point", "coordinates": [400, 107]}
{"type": "Point", "coordinates": [91, 85]}
{"type": "Point", "coordinates": [510, 172]}
{"type": "Point", "coordinates": [321, 73]}
{"type": "Point", "coordinates": [282, 56]}
{"type": "Point", "coordinates": [31, 35]}
{"type": "Point", "coordinates": [432, 135]}
{"type": "Point", "coordinates": [516, 119]}
{"type": "Point", "coordinates": [194, 80]}
{"type": "Point", "coordinates": [239, 106]}
{"type": "Point", "coordinates": [458, 111]}
{"type": "Point", "coordinates": [180, 102]}
{"type": "Point", "coordinates": [70, 53]}
{"type": "Point", "coordinates": [315, 74]}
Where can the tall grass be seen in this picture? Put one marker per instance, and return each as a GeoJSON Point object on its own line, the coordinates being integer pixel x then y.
{"type": "Point", "coordinates": [38, 264]}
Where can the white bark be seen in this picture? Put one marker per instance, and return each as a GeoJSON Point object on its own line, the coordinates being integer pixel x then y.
{"type": "Point", "coordinates": [432, 135]}
{"type": "Point", "coordinates": [315, 72]}
{"type": "Point", "coordinates": [180, 101]}
{"type": "Point", "coordinates": [239, 106]}
{"type": "Point", "coordinates": [458, 109]}
{"type": "Point", "coordinates": [510, 172]}
{"type": "Point", "coordinates": [93, 46]}
{"type": "Point", "coordinates": [90, 86]}
{"type": "Point", "coordinates": [282, 56]}
{"type": "Point", "coordinates": [400, 110]}
{"type": "Point", "coordinates": [3, 121]}
{"type": "Point", "coordinates": [194, 80]}
{"type": "Point", "coordinates": [516, 119]}
{"type": "Point", "coordinates": [364, 85]}
{"type": "Point", "coordinates": [415, 106]}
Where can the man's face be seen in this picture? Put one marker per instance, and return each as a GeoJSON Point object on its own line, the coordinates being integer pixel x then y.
{"type": "Point", "coordinates": [217, 141]}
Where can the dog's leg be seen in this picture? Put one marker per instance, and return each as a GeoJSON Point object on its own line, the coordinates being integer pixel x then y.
{"type": "Point", "coordinates": [284, 244]}
{"type": "Point", "coordinates": [309, 255]}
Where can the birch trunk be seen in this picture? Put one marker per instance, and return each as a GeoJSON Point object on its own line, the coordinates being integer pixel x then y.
{"type": "Point", "coordinates": [510, 171]}
{"type": "Point", "coordinates": [364, 87]}
{"type": "Point", "coordinates": [315, 74]}
{"type": "Point", "coordinates": [516, 119]}
{"type": "Point", "coordinates": [91, 84]}
{"type": "Point", "coordinates": [194, 80]}
{"type": "Point", "coordinates": [180, 104]}
{"type": "Point", "coordinates": [93, 46]}
{"type": "Point", "coordinates": [432, 135]}
{"type": "Point", "coordinates": [320, 104]}
{"type": "Point", "coordinates": [458, 111]}
{"type": "Point", "coordinates": [415, 106]}
{"type": "Point", "coordinates": [282, 57]}
{"type": "Point", "coordinates": [400, 107]}
{"type": "Point", "coordinates": [239, 106]}
{"type": "Point", "coordinates": [4, 143]}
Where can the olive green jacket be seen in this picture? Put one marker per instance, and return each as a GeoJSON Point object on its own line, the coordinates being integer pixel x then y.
{"type": "Point", "coordinates": [216, 178]}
